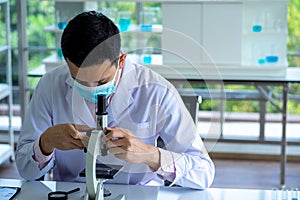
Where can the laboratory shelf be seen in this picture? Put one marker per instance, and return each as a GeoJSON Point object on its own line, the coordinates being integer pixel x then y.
{"type": "Point", "coordinates": [188, 71]}
{"type": "Point", "coordinates": [37, 72]}
{"type": "Point", "coordinates": [53, 28]}
{"type": "Point", "coordinates": [3, 1]}
{"type": "Point", "coordinates": [3, 48]}
{"type": "Point", "coordinates": [265, 33]}
{"type": "Point", "coordinates": [53, 61]}
{"type": "Point", "coordinates": [5, 150]}
{"type": "Point", "coordinates": [133, 28]}
{"type": "Point", "coordinates": [4, 90]}
{"type": "Point", "coordinates": [156, 59]}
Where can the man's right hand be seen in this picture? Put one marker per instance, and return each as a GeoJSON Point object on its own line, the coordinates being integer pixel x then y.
{"type": "Point", "coordinates": [64, 137]}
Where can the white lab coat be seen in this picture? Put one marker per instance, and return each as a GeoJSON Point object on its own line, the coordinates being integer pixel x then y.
{"type": "Point", "coordinates": [144, 103]}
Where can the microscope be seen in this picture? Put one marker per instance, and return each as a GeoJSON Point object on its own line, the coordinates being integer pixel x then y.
{"type": "Point", "coordinates": [96, 174]}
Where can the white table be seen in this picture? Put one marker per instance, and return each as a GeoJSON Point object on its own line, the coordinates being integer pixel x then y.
{"type": "Point", "coordinates": [40, 189]}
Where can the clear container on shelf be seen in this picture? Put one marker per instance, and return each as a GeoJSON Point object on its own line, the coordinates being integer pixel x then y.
{"type": "Point", "coordinates": [61, 21]}
{"type": "Point", "coordinates": [284, 193]}
{"type": "Point", "coordinates": [272, 57]}
{"type": "Point", "coordinates": [257, 55]}
{"type": "Point", "coordinates": [274, 194]}
{"type": "Point", "coordinates": [261, 59]}
{"type": "Point", "coordinates": [147, 56]}
{"type": "Point", "coordinates": [124, 20]}
{"type": "Point", "coordinates": [147, 19]}
{"type": "Point", "coordinates": [257, 25]}
{"type": "Point", "coordinates": [294, 194]}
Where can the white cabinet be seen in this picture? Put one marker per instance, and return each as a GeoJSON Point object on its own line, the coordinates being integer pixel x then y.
{"type": "Point", "coordinates": [236, 37]}
{"type": "Point", "coordinates": [182, 27]}
{"type": "Point", "coordinates": [222, 28]}
{"type": "Point", "coordinates": [6, 150]}
{"type": "Point", "coordinates": [198, 27]}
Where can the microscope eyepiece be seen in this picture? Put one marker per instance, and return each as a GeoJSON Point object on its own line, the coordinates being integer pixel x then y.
{"type": "Point", "coordinates": [101, 105]}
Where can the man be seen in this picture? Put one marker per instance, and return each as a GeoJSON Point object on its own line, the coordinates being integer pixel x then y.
{"type": "Point", "coordinates": [142, 106]}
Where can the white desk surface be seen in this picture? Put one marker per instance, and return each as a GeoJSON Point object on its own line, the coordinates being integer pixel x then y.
{"type": "Point", "coordinates": [290, 74]}
{"type": "Point", "coordinates": [37, 190]}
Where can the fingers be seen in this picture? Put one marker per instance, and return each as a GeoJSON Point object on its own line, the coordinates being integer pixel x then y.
{"type": "Point", "coordinates": [78, 144]}
{"type": "Point", "coordinates": [64, 137]}
{"type": "Point", "coordinates": [71, 131]}
{"type": "Point", "coordinates": [82, 128]}
{"type": "Point", "coordinates": [116, 143]}
{"type": "Point", "coordinates": [74, 130]}
{"type": "Point", "coordinates": [116, 140]}
{"type": "Point", "coordinates": [81, 140]}
{"type": "Point", "coordinates": [117, 150]}
{"type": "Point", "coordinates": [116, 133]}
{"type": "Point", "coordinates": [84, 139]}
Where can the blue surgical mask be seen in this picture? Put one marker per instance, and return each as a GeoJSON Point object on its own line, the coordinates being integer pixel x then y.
{"type": "Point", "coordinates": [90, 93]}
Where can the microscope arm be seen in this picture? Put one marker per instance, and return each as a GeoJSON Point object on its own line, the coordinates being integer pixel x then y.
{"type": "Point", "coordinates": [90, 166]}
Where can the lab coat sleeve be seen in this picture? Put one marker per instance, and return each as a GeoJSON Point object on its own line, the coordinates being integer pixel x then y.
{"type": "Point", "coordinates": [37, 120]}
{"type": "Point", "coordinates": [194, 171]}
{"type": "Point", "coordinates": [193, 166]}
{"type": "Point", "coordinates": [167, 168]}
{"type": "Point", "coordinates": [39, 156]}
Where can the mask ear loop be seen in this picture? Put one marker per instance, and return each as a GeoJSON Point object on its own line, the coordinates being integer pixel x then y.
{"type": "Point", "coordinates": [120, 72]}
{"type": "Point", "coordinates": [119, 77]}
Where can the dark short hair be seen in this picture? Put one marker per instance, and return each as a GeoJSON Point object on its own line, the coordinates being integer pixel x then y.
{"type": "Point", "coordinates": [91, 38]}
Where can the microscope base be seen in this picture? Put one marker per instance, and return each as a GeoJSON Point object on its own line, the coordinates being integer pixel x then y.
{"type": "Point", "coordinates": [100, 193]}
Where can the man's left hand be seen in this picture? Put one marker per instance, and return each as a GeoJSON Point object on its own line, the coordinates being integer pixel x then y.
{"type": "Point", "coordinates": [126, 146]}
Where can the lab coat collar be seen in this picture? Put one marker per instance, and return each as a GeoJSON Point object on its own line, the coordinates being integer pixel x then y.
{"type": "Point", "coordinates": [70, 82]}
{"type": "Point", "coordinates": [130, 74]}
{"type": "Point", "coordinates": [69, 79]}
{"type": "Point", "coordinates": [122, 98]}
{"type": "Point", "coordinates": [81, 112]}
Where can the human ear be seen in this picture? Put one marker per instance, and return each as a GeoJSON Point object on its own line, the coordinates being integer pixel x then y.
{"type": "Point", "coordinates": [122, 61]}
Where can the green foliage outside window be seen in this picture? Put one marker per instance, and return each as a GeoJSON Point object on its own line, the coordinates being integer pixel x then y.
{"type": "Point", "coordinates": [293, 42]}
